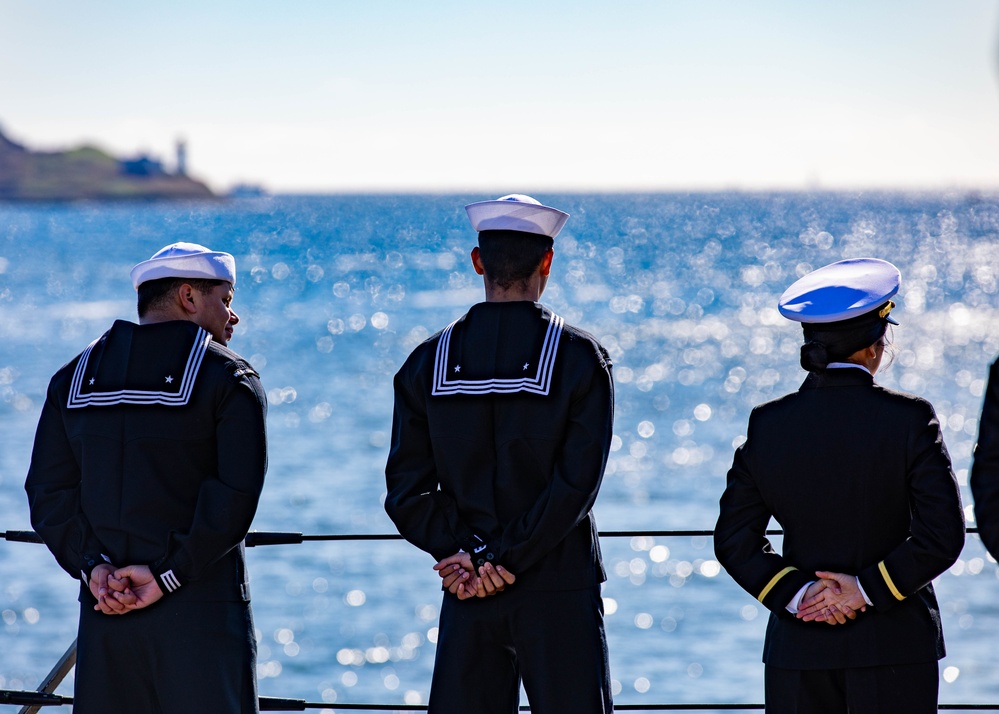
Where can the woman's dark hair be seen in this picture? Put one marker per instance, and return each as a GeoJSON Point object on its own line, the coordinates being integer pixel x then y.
{"type": "Point", "coordinates": [153, 293]}
{"type": "Point", "coordinates": [835, 341]}
{"type": "Point", "coordinates": [814, 357]}
{"type": "Point", "coordinates": [510, 257]}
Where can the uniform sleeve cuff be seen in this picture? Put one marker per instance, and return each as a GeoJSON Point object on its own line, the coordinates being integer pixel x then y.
{"type": "Point", "coordinates": [479, 550]}
{"type": "Point", "coordinates": [89, 563]}
{"type": "Point", "coordinates": [878, 587]}
{"type": "Point", "coordinates": [781, 589]}
{"type": "Point", "coordinates": [795, 603]}
{"type": "Point", "coordinates": [863, 593]}
{"type": "Point", "coordinates": [168, 580]}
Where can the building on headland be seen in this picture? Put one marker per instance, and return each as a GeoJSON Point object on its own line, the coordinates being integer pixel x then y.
{"type": "Point", "coordinates": [181, 157]}
{"type": "Point", "coordinates": [141, 165]}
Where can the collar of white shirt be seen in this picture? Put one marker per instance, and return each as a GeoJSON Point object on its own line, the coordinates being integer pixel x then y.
{"type": "Point", "coordinates": [844, 365]}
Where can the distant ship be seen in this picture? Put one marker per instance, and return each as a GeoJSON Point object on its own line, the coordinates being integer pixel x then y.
{"type": "Point", "coordinates": [247, 190]}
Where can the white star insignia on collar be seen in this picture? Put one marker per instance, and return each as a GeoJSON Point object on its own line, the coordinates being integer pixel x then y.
{"type": "Point", "coordinates": [91, 380]}
{"type": "Point", "coordinates": [169, 379]}
{"type": "Point", "coordinates": [538, 383]}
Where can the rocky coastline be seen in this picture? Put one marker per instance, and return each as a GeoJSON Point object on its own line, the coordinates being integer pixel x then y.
{"type": "Point", "coordinates": [89, 173]}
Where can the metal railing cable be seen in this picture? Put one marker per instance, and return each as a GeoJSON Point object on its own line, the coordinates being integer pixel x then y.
{"type": "Point", "coordinates": [255, 538]}
{"type": "Point", "coordinates": [278, 704]}
{"type": "Point", "coordinates": [258, 538]}
{"type": "Point", "coordinates": [33, 701]}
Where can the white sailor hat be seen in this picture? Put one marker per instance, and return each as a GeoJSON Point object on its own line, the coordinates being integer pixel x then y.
{"type": "Point", "coordinates": [516, 212]}
{"type": "Point", "coordinates": [841, 291]}
{"type": "Point", "coordinates": [185, 260]}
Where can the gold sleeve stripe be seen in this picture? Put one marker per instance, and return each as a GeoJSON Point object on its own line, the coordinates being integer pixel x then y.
{"type": "Point", "coordinates": [888, 581]}
{"type": "Point", "coordinates": [773, 581]}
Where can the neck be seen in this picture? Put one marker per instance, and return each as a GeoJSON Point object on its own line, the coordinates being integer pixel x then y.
{"type": "Point", "coordinates": [869, 358]}
{"type": "Point", "coordinates": [529, 290]}
{"type": "Point", "coordinates": [154, 316]}
{"type": "Point", "coordinates": [511, 296]}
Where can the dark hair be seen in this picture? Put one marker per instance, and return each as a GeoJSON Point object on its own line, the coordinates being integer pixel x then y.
{"type": "Point", "coordinates": [836, 341]}
{"type": "Point", "coordinates": [510, 257]}
{"type": "Point", "coordinates": [814, 357]}
{"type": "Point", "coordinates": [154, 293]}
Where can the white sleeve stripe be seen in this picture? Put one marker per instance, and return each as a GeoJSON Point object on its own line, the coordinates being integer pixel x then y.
{"type": "Point", "coordinates": [170, 581]}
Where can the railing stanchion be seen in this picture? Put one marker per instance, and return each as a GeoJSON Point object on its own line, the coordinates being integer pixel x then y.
{"type": "Point", "coordinates": [54, 678]}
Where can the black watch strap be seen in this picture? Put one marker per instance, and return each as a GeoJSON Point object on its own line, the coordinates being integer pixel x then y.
{"type": "Point", "coordinates": [479, 551]}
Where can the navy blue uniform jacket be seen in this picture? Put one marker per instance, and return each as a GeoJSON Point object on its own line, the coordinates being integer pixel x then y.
{"type": "Point", "coordinates": [502, 427]}
{"type": "Point", "coordinates": [985, 467]}
{"type": "Point", "coordinates": [860, 481]}
{"type": "Point", "coordinates": [151, 450]}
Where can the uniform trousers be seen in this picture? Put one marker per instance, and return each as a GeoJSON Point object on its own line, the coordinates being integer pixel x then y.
{"type": "Point", "coordinates": [888, 689]}
{"type": "Point", "coordinates": [554, 640]}
{"type": "Point", "coordinates": [167, 659]}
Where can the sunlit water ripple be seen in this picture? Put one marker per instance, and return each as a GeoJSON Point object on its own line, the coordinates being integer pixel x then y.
{"type": "Point", "coordinates": [333, 293]}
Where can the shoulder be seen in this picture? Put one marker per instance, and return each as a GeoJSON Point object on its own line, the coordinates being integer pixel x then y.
{"type": "Point", "coordinates": [774, 409]}
{"type": "Point", "coordinates": [582, 343]}
{"type": "Point", "coordinates": [64, 375]}
{"type": "Point", "coordinates": [222, 354]}
{"type": "Point", "coordinates": [903, 401]}
{"type": "Point", "coordinates": [424, 353]}
{"type": "Point", "coordinates": [419, 365]}
{"type": "Point", "coordinates": [226, 374]}
{"type": "Point", "coordinates": [225, 363]}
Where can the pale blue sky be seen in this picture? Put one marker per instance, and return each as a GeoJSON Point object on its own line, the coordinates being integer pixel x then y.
{"type": "Point", "coordinates": [356, 96]}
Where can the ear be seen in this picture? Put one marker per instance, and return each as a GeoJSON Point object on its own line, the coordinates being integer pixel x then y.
{"type": "Point", "coordinates": [477, 261]}
{"type": "Point", "coordinates": [186, 299]}
{"type": "Point", "coordinates": [546, 262]}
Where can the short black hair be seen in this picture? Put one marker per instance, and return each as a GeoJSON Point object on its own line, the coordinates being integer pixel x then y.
{"type": "Point", "coordinates": [154, 293]}
{"type": "Point", "coordinates": [510, 257]}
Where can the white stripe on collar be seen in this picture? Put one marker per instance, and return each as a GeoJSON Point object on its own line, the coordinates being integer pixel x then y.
{"type": "Point", "coordinates": [540, 383]}
{"type": "Point", "coordinates": [178, 398]}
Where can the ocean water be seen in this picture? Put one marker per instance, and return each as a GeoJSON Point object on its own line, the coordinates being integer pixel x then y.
{"type": "Point", "coordinates": [335, 291]}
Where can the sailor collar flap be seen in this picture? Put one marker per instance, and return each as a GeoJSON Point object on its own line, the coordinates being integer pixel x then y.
{"type": "Point", "coordinates": [128, 365]}
{"type": "Point", "coordinates": [494, 365]}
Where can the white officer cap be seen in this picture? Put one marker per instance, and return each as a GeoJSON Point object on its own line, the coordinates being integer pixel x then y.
{"type": "Point", "coordinates": [516, 212]}
{"type": "Point", "coordinates": [841, 291]}
{"type": "Point", "coordinates": [185, 260]}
